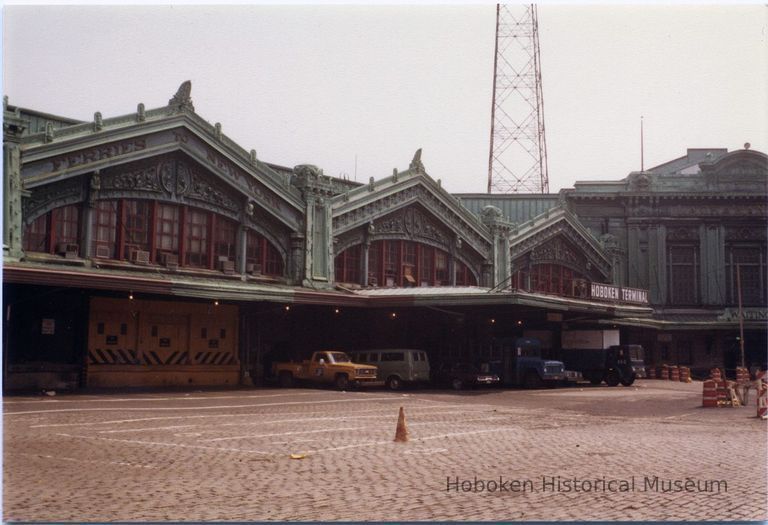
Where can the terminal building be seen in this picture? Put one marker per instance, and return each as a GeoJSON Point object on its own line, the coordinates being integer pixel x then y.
{"type": "Point", "coordinates": [149, 249]}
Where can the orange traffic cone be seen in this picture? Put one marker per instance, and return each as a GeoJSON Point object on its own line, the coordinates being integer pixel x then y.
{"type": "Point", "coordinates": [401, 434]}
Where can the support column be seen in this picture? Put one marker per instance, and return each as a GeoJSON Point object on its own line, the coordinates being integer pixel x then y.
{"type": "Point", "coordinates": [318, 260]}
{"type": "Point", "coordinates": [364, 264]}
{"type": "Point", "coordinates": [712, 264]}
{"type": "Point", "coordinates": [657, 263]}
{"type": "Point", "coordinates": [501, 260]}
{"type": "Point", "coordinates": [242, 245]}
{"type": "Point", "coordinates": [13, 127]}
{"type": "Point", "coordinates": [296, 258]}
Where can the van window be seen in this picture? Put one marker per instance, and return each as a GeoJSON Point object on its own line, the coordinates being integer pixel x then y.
{"type": "Point", "coordinates": [361, 358]}
{"type": "Point", "coordinates": [392, 356]}
{"type": "Point", "coordinates": [423, 356]}
{"type": "Point", "coordinates": [374, 357]}
{"type": "Point", "coordinates": [416, 356]}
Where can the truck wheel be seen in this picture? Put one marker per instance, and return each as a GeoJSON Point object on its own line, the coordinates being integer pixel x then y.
{"type": "Point", "coordinates": [394, 383]}
{"type": "Point", "coordinates": [628, 381]}
{"type": "Point", "coordinates": [286, 380]}
{"type": "Point", "coordinates": [457, 383]}
{"type": "Point", "coordinates": [612, 378]}
{"type": "Point", "coordinates": [342, 382]}
{"type": "Point", "coordinates": [532, 380]}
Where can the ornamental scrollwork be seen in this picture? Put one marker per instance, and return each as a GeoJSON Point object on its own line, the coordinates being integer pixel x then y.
{"type": "Point", "coordinates": [51, 196]}
{"type": "Point", "coordinates": [371, 210]}
{"type": "Point", "coordinates": [201, 189]}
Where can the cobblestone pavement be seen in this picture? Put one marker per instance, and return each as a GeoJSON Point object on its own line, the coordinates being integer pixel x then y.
{"type": "Point", "coordinates": [225, 455]}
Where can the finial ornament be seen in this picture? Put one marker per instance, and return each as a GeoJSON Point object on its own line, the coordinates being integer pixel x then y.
{"type": "Point", "coordinates": [183, 97]}
{"type": "Point", "coordinates": [416, 163]}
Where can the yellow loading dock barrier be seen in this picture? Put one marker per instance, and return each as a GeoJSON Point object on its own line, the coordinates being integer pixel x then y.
{"type": "Point", "coordinates": [161, 343]}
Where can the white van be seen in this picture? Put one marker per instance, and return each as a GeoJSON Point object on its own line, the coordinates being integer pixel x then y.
{"type": "Point", "coordinates": [396, 366]}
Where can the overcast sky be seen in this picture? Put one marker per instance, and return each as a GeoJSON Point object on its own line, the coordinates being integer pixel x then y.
{"type": "Point", "coordinates": [328, 84]}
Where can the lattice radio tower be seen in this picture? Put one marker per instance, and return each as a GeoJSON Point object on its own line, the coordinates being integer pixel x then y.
{"type": "Point", "coordinates": [518, 157]}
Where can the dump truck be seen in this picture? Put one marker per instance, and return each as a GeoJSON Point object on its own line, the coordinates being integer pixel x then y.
{"type": "Point", "coordinates": [328, 367]}
{"type": "Point", "coordinates": [599, 357]}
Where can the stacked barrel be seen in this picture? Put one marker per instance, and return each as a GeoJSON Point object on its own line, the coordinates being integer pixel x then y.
{"type": "Point", "coordinates": [664, 372]}
{"type": "Point", "coordinates": [709, 397]}
{"type": "Point", "coordinates": [722, 394]}
{"type": "Point", "coordinates": [674, 373]}
{"type": "Point", "coordinates": [651, 372]}
{"type": "Point", "coordinates": [685, 374]}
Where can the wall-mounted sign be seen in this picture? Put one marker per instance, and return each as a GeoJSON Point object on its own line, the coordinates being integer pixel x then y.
{"type": "Point", "coordinates": [165, 342]}
{"type": "Point", "coordinates": [48, 327]}
{"type": "Point", "coordinates": [749, 314]}
{"type": "Point", "coordinates": [213, 343]}
{"type": "Point", "coordinates": [611, 292]}
{"type": "Point", "coordinates": [111, 340]}
{"type": "Point", "coordinates": [554, 317]}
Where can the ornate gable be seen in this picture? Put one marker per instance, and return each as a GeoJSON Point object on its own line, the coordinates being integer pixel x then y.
{"type": "Point", "coordinates": [558, 237]}
{"type": "Point", "coordinates": [409, 204]}
{"type": "Point", "coordinates": [127, 154]}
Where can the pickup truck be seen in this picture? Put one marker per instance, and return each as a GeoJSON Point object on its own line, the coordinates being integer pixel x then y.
{"type": "Point", "coordinates": [326, 367]}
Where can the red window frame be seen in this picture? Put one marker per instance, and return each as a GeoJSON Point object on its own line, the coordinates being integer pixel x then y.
{"type": "Point", "coordinates": [258, 250]}
{"type": "Point", "coordinates": [347, 265]}
{"type": "Point", "coordinates": [36, 238]}
{"type": "Point", "coordinates": [167, 231]}
{"type": "Point", "coordinates": [196, 238]}
{"type": "Point", "coordinates": [136, 226]}
{"type": "Point", "coordinates": [426, 265]}
{"type": "Point", "coordinates": [441, 268]}
{"type": "Point", "coordinates": [464, 277]}
{"type": "Point", "coordinates": [226, 239]}
{"type": "Point", "coordinates": [104, 226]}
{"type": "Point", "coordinates": [65, 225]}
{"type": "Point", "coordinates": [392, 263]}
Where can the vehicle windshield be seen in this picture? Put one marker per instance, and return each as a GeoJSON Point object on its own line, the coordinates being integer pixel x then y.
{"type": "Point", "coordinates": [636, 352]}
{"type": "Point", "coordinates": [339, 357]}
{"type": "Point", "coordinates": [529, 351]}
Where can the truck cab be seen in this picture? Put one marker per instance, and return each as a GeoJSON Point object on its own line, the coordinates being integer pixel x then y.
{"type": "Point", "coordinates": [628, 361]}
{"type": "Point", "coordinates": [523, 365]}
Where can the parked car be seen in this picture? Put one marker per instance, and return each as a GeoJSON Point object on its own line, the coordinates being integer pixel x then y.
{"type": "Point", "coordinates": [463, 375]}
{"type": "Point", "coordinates": [326, 367]}
{"type": "Point", "coordinates": [396, 367]}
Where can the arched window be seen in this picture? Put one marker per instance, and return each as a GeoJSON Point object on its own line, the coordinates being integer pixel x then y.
{"type": "Point", "coordinates": [152, 232]}
{"type": "Point", "coordinates": [549, 279]}
{"type": "Point", "coordinates": [401, 263]}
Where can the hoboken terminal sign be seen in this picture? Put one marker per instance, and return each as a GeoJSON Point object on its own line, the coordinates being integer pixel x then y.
{"type": "Point", "coordinates": [619, 294]}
